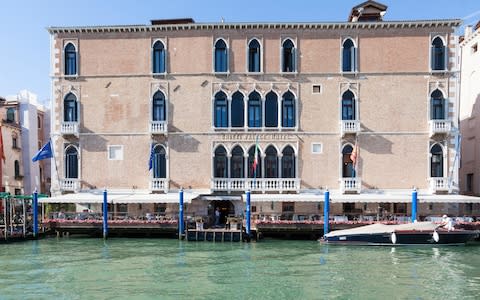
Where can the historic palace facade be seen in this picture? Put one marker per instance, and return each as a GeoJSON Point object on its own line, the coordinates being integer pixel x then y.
{"type": "Point", "coordinates": [274, 108]}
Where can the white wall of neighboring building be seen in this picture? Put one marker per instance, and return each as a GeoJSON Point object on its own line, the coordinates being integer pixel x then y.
{"type": "Point", "coordinates": [470, 111]}
{"type": "Point", "coordinates": [28, 113]}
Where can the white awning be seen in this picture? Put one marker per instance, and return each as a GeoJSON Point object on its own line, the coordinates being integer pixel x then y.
{"type": "Point", "coordinates": [301, 197]}
{"type": "Point", "coordinates": [336, 197]}
{"type": "Point", "coordinates": [221, 198]}
{"type": "Point", "coordinates": [93, 197]}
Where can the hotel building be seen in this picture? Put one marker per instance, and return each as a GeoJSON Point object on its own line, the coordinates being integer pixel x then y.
{"type": "Point", "coordinates": [209, 101]}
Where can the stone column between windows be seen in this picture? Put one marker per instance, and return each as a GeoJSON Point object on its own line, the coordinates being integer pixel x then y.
{"type": "Point", "coordinates": [279, 157]}
{"type": "Point", "coordinates": [245, 114]}
{"type": "Point", "coordinates": [279, 113]}
{"type": "Point", "coordinates": [229, 114]}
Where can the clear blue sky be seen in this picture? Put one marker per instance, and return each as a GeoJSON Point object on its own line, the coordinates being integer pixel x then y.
{"type": "Point", "coordinates": [24, 48]}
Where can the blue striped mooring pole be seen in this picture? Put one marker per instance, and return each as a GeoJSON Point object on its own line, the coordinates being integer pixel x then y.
{"type": "Point", "coordinates": [247, 211]}
{"type": "Point", "coordinates": [105, 214]}
{"type": "Point", "coordinates": [326, 211]}
{"type": "Point", "coordinates": [180, 215]}
{"type": "Point", "coordinates": [414, 204]}
{"type": "Point", "coordinates": [35, 213]}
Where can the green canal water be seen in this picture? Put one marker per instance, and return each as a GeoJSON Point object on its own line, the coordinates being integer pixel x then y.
{"type": "Point", "coordinates": [81, 268]}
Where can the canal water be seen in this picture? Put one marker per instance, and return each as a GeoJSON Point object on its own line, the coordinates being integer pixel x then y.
{"type": "Point", "coordinates": [83, 268]}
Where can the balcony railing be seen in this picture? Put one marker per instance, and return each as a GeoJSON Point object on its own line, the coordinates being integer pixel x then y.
{"type": "Point", "coordinates": [159, 184]}
{"type": "Point", "coordinates": [158, 127]}
{"type": "Point", "coordinates": [349, 185]}
{"type": "Point", "coordinates": [68, 128]}
{"type": "Point", "coordinates": [439, 126]}
{"type": "Point", "coordinates": [438, 184]}
{"type": "Point", "coordinates": [259, 184]}
{"type": "Point", "coordinates": [70, 184]}
{"type": "Point", "coordinates": [349, 127]}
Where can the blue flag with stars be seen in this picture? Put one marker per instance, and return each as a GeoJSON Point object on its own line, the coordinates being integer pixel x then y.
{"type": "Point", "coordinates": [45, 152]}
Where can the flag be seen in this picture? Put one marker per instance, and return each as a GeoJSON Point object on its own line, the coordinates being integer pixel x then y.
{"type": "Point", "coordinates": [150, 160]}
{"type": "Point", "coordinates": [45, 152]}
{"type": "Point", "coordinates": [255, 158]}
{"type": "Point", "coordinates": [2, 154]}
{"type": "Point", "coordinates": [354, 156]}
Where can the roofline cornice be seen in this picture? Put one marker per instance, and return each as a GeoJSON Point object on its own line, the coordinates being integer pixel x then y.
{"type": "Point", "coordinates": [236, 26]}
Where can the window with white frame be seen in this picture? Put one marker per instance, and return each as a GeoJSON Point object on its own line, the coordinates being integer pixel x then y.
{"type": "Point", "coordinates": [70, 60]}
{"type": "Point", "coordinates": [317, 148]}
{"type": "Point", "coordinates": [115, 152]}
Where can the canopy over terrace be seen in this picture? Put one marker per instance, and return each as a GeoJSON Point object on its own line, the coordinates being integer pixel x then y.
{"type": "Point", "coordinates": [363, 198]}
{"type": "Point", "coordinates": [119, 198]}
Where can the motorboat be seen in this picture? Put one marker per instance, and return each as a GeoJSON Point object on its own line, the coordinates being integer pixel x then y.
{"type": "Point", "coordinates": [417, 233]}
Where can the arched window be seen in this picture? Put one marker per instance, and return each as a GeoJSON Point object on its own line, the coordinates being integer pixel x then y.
{"type": "Point", "coordinates": [159, 162]}
{"type": "Point", "coordinates": [10, 115]}
{"type": "Point", "coordinates": [17, 168]}
{"type": "Point", "coordinates": [349, 53]}
{"type": "Point", "coordinates": [220, 163]}
{"type": "Point", "coordinates": [70, 110]}
{"type": "Point", "coordinates": [347, 164]}
{"type": "Point", "coordinates": [70, 59]}
{"type": "Point", "coordinates": [221, 56]}
{"type": "Point", "coordinates": [438, 54]}
{"type": "Point", "coordinates": [254, 110]}
{"type": "Point", "coordinates": [436, 161]}
{"type": "Point", "coordinates": [288, 56]}
{"type": "Point", "coordinates": [288, 163]}
{"type": "Point", "coordinates": [238, 110]}
{"type": "Point", "coordinates": [348, 106]}
{"type": "Point", "coordinates": [254, 169]}
{"type": "Point", "coordinates": [237, 163]}
{"type": "Point", "coordinates": [158, 107]}
{"type": "Point", "coordinates": [437, 106]}
{"type": "Point", "coordinates": [271, 162]}
{"type": "Point", "coordinates": [158, 58]}
{"type": "Point", "coordinates": [271, 110]}
{"type": "Point", "coordinates": [288, 110]}
{"type": "Point", "coordinates": [221, 110]}
{"type": "Point", "coordinates": [71, 162]}
{"type": "Point", "coordinates": [254, 56]}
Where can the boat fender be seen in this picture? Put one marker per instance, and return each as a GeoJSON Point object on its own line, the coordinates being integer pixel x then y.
{"type": "Point", "coordinates": [393, 237]}
{"type": "Point", "coordinates": [436, 237]}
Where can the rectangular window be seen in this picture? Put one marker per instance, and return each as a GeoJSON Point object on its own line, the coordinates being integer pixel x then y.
{"type": "Point", "coordinates": [115, 152]}
{"type": "Point", "coordinates": [317, 148]}
{"type": "Point", "coordinates": [469, 187]}
{"type": "Point", "coordinates": [160, 208]}
{"type": "Point", "coordinates": [400, 208]}
{"type": "Point", "coordinates": [18, 191]}
{"type": "Point", "coordinates": [316, 89]}
{"type": "Point", "coordinates": [288, 207]}
{"type": "Point", "coordinates": [474, 48]}
{"type": "Point", "coordinates": [254, 208]}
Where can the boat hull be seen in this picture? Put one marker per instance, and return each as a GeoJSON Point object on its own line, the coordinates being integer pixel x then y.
{"type": "Point", "coordinates": [404, 238]}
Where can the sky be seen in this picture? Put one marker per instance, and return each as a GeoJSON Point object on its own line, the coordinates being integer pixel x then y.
{"type": "Point", "coordinates": [25, 42]}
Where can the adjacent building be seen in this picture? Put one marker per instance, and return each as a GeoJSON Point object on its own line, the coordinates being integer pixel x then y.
{"type": "Point", "coordinates": [470, 111]}
{"type": "Point", "coordinates": [25, 127]}
{"type": "Point", "coordinates": [367, 109]}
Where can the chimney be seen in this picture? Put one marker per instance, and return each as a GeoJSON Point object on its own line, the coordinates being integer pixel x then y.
{"type": "Point", "coordinates": [468, 31]}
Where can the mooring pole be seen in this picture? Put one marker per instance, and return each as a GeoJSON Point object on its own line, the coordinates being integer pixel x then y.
{"type": "Point", "coordinates": [35, 213]}
{"type": "Point", "coordinates": [414, 204]}
{"type": "Point", "coordinates": [180, 215]}
{"type": "Point", "coordinates": [105, 214]}
{"type": "Point", "coordinates": [326, 211]}
{"type": "Point", "coordinates": [247, 210]}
